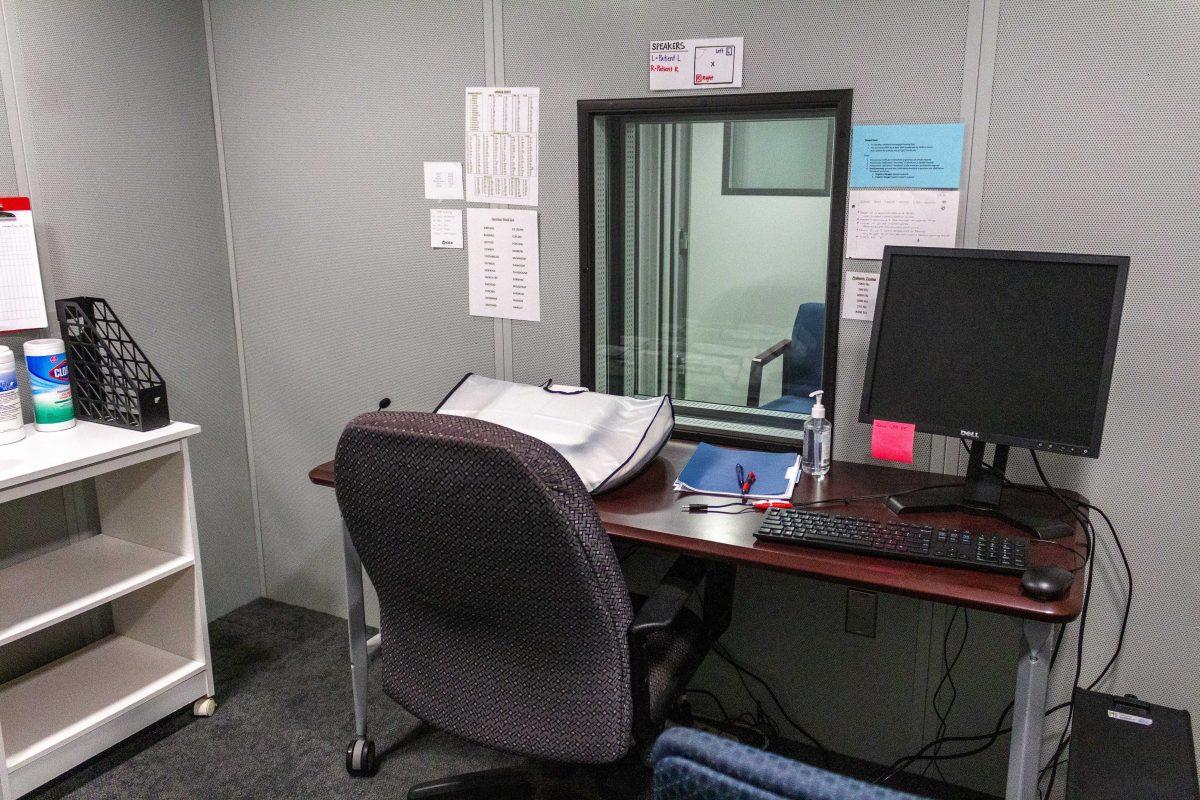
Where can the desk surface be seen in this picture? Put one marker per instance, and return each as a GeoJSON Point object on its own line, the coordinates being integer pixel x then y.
{"type": "Point", "coordinates": [646, 510]}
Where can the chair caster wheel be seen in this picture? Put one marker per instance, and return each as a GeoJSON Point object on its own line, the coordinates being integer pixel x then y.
{"type": "Point", "coordinates": [360, 758]}
{"type": "Point", "coordinates": [204, 707]}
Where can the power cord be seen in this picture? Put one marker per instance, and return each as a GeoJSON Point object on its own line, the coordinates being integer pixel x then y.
{"type": "Point", "coordinates": [948, 665]}
{"type": "Point", "coordinates": [723, 652]}
{"type": "Point", "coordinates": [747, 506]}
{"type": "Point", "coordinates": [989, 739]}
{"type": "Point", "coordinates": [1074, 507]}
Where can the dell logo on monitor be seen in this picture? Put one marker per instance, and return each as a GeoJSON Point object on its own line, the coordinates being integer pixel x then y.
{"type": "Point", "coordinates": [969, 434]}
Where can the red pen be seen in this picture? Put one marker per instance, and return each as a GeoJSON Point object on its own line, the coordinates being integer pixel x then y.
{"type": "Point", "coordinates": [763, 505]}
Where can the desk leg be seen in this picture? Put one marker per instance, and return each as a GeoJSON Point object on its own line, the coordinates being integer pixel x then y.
{"type": "Point", "coordinates": [357, 623]}
{"type": "Point", "coordinates": [1029, 711]}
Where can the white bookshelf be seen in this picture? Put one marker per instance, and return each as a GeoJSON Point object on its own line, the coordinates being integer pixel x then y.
{"type": "Point", "coordinates": [144, 564]}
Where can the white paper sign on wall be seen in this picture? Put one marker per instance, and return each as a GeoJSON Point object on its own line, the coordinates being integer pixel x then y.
{"type": "Point", "coordinates": [858, 295]}
{"type": "Point", "coordinates": [696, 63]}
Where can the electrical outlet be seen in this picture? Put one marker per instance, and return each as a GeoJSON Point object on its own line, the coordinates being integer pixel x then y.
{"type": "Point", "coordinates": [861, 612]}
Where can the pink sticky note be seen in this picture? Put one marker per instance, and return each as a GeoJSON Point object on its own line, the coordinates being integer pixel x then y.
{"type": "Point", "coordinates": [892, 441]}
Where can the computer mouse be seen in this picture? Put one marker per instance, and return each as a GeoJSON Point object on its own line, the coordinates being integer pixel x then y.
{"type": "Point", "coordinates": [1045, 582]}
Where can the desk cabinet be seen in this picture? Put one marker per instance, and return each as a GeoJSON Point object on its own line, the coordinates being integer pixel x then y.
{"type": "Point", "coordinates": [144, 564]}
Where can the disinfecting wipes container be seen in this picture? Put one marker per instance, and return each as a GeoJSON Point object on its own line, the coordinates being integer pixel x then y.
{"type": "Point", "coordinates": [53, 409]}
{"type": "Point", "coordinates": [11, 428]}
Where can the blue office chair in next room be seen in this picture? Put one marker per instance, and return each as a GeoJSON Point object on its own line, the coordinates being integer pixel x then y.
{"type": "Point", "coordinates": [802, 357]}
{"type": "Point", "coordinates": [505, 618]}
{"type": "Point", "coordinates": [690, 765]}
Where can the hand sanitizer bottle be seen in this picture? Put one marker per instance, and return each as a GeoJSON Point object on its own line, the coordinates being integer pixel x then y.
{"type": "Point", "coordinates": [818, 433]}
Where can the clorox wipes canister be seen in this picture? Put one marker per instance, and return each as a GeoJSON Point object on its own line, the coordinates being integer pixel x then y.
{"type": "Point", "coordinates": [53, 409]}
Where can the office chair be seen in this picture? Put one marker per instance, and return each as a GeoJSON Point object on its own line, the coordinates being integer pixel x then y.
{"type": "Point", "coordinates": [691, 765]}
{"type": "Point", "coordinates": [802, 358]}
{"type": "Point", "coordinates": [504, 615]}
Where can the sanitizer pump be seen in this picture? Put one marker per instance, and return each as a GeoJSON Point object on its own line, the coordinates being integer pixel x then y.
{"type": "Point", "coordinates": [818, 434]}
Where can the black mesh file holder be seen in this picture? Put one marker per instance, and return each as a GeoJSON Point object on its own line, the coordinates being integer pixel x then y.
{"type": "Point", "coordinates": [112, 381]}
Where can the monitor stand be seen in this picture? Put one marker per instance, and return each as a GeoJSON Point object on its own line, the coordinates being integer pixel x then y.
{"type": "Point", "coordinates": [984, 493]}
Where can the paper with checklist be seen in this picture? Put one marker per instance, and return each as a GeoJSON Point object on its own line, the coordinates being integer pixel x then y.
{"type": "Point", "coordinates": [878, 217]}
{"type": "Point", "coordinates": [502, 145]}
{"type": "Point", "coordinates": [22, 301]}
{"type": "Point", "coordinates": [446, 228]}
{"type": "Point", "coordinates": [502, 261]}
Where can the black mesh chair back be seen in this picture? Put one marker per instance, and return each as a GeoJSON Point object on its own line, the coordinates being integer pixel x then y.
{"type": "Point", "coordinates": [504, 614]}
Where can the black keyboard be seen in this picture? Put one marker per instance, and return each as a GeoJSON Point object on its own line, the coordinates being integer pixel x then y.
{"type": "Point", "coordinates": [942, 546]}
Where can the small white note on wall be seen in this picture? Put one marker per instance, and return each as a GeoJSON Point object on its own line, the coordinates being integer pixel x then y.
{"type": "Point", "coordinates": [446, 228]}
{"type": "Point", "coordinates": [22, 302]}
{"type": "Point", "coordinates": [858, 295]}
{"type": "Point", "coordinates": [502, 259]}
{"type": "Point", "coordinates": [443, 180]}
{"type": "Point", "coordinates": [677, 64]}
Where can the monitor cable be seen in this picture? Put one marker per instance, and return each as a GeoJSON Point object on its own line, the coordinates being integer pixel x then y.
{"type": "Point", "coordinates": [1075, 505]}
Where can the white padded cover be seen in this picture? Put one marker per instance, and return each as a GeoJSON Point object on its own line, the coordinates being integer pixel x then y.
{"type": "Point", "coordinates": [606, 438]}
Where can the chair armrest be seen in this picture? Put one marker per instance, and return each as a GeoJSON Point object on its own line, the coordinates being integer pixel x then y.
{"type": "Point", "coordinates": [663, 606]}
{"type": "Point", "coordinates": [754, 390]}
{"type": "Point", "coordinates": [658, 612]}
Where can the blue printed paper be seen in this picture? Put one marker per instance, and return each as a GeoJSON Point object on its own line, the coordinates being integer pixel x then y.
{"type": "Point", "coordinates": [906, 156]}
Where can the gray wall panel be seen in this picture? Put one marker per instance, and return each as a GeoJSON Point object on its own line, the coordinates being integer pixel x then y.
{"type": "Point", "coordinates": [1092, 149]}
{"type": "Point", "coordinates": [326, 118]}
{"type": "Point", "coordinates": [9, 187]}
{"type": "Point", "coordinates": [41, 522]}
{"type": "Point", "coordinates": [905, 64]}
{"type": "Point", "coordinates": [122, 152]}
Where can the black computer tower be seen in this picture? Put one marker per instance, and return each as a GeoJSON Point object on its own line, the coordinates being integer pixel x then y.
{"type": "Point", "coordinates": [1125, 749]}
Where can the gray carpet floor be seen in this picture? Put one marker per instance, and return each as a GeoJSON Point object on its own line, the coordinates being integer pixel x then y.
{"type": "Point", "coordinates": [284, 720]}
{"type": "Point", "coordinates": [281, 728]}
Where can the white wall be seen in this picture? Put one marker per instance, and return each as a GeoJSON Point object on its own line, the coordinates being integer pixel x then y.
{"type": "Point", "coordinates": [119, 158]}
{"type": "Point", "coordinates": [327, 112]}
{"type": "Point", "coordinates": [752, 260]}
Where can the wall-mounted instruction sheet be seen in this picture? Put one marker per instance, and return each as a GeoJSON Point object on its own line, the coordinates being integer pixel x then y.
{"type": "Point", "coordinates": [880, 217]}
{"type": "Point", "coordinates": [858, 295]}
{"type": "Point", "coordinates": [906, 156]}
{"type": "Point", "coordinates": [446, 228]}
{"type": "Point", "coordinates": [696, 63]}
{"type": "Point", "coordinates": [22, 302]}
{"type": "Point", "coordinates": [502, 258]}
{"type": "Point", "coordinates": [904, 187]}
{"type": "Point", "coordinates": [502, 145]}
{"type": "Point", "coordinates": [443, 180]}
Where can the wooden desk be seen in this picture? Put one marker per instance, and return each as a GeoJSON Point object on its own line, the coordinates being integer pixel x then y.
{"type": "Point", "coordinates": [647, 511]}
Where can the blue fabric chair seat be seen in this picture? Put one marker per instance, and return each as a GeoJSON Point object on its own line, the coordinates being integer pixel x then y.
{"type": "Point", "coordinates": [802, 363]}
{"type": "Point", "coordinates": [690, 765]}
{"type": "Point", "coordinates": [792, 403]}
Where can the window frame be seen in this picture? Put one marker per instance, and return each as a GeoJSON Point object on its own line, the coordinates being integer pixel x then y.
{"type": "Point", "coordinates": [723, 424]}
{"type": "Point", "coordinates": [727, 187]}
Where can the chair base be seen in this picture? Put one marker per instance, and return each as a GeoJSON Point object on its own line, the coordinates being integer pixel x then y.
{"type": "Point", "coordinates": [623, 780]}
{"type": "Point", "coordinates": [508, 783]}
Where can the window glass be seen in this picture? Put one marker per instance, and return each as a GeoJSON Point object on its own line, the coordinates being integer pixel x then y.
{"type": "Point", "coordinates": [714, 297]}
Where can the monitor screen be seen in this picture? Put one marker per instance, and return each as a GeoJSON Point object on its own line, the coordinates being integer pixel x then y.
{"type": "Point", "coordinates": [1013, 348]}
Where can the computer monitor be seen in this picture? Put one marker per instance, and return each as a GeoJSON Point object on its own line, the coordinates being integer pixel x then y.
{"type": "Point", "coordinates": [994, 346]}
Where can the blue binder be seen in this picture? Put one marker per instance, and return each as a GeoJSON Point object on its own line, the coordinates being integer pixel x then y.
{"type": "Point", "coordinates": [713, 470]}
